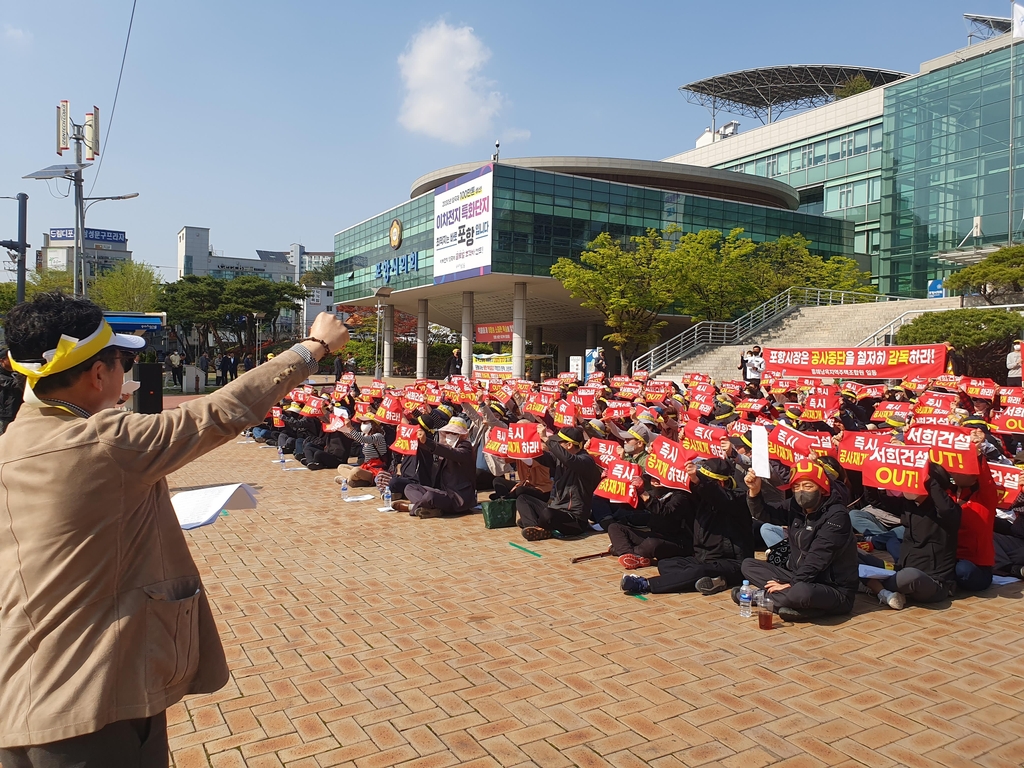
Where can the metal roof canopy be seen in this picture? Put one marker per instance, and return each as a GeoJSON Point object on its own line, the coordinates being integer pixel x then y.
{"type": "Point", "coordinates": [986, 27]}
{"type": "Point", "coordinates": [767, 92]}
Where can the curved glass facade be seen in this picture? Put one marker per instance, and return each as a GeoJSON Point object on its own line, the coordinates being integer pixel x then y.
{"type": "Point", "coordinates": [540, 217]}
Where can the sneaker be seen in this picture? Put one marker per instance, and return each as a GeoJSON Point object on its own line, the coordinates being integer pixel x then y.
{"type": "Point", "coordinates": [894, 600]}
{"type": "Point", "coordinates": [629, 561]}
{"type": "Point", "coordinates": [711, 586]}
{"type": "Point", "coordinates": [536, 533]}
{"type": "Point", "coordinates": [338, 479]}
{"type": "Point", "coordinates": [635, 585]}
{"type": "Point", "coordinates": [735, 595]}
{"type": "Point", "coordinates": [800, 614]}
{"type": "Point", "coordinates": [1017, 571]}
{"type": "Point", "coordinates": [425, 512]}
{"type": "Point", "coordinates": [314, 465]}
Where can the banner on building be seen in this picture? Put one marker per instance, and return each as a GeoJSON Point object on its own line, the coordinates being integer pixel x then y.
{"type": "Point", "coordinates": [926, 361]}
{"type": "Point", "coordinates": [492, 366]}
{"type": "Point", "coordinates": [490, 332]}
{"type": "Point", "coordinates": [462, 226]}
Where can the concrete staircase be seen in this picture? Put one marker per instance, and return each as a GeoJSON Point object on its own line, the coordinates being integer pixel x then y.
{"type": "Point", "coordinates": [826, 326]}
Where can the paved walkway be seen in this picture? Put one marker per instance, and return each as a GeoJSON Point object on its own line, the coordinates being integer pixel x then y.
{"type": "Point", "coordinates": [371, 639]}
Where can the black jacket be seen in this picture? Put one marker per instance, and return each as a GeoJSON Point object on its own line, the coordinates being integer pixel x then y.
{"type": "Point", "coordinates": [574, 480]}
{"type": "Point", "coordinates": [672, 518]}
{"type": "Point", "coordinates": [455, 471]}
{"type": "Point", "coordinates": [453, 367]}
{"type": "Point", "coordinates": [930, 538]}
{"type": "Point", "coordinates": [823, 549]}
{"type": "Point", "coordinates": [722, 527]}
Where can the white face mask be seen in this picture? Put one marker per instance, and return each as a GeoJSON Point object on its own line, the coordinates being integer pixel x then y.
{"type": "Point", "coordinates": [451, 439]}
{"type": "Point", "coordinates": [365, 428]}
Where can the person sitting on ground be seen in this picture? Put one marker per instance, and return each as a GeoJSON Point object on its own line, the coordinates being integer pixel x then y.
{"type": "Point", "coordinates": [722, 537]}
{"type": "Point", "coordinates": [821, 575]}
{"type": "Point", "coordinates": [454, 477]}
{"type": "Point", "coordinates": [418, 469]}
{"type": "Point", "coordinates": [975, 549]}
{"type": "Point", "coordinates": [532, 479]}
{"type": "Point", "coordinates": [375, 451]}
{"type": "Point", "coordinates": [576, 477]}
{"type": "Point", "coordinates": [636, 439]}
{"type": "Point", "coordinates": [329, 450]}
{"type": "Point", "coordinates": [926, 567]}
{"type": "Point", "coordinates": [669, 533]}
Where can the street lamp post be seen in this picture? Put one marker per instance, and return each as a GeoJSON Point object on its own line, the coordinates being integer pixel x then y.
{"type": "Point", "coordinates": [89, 202]}
{"type": "Point", "coordinates": [259, 345]}
{"type": "Point", "coordinates": [19, 245]}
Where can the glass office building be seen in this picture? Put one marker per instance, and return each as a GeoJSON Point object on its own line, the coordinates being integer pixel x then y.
{"type": "Point", "coordinates": [540, 216]}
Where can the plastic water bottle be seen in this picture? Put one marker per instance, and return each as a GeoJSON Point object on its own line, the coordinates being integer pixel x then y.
{"type": "Point", "coordinates": [344, 489]}
{"type": "Point", "coordinates": [280, 454]}
{"type": "Point", "coordinates": [512, 476]}
{"type": "Point", "coordinates": [387, 497]}
{"type": "Point", "coordinates": [746, 599]}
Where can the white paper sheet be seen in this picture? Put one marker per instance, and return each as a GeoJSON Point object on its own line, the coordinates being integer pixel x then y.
{"type": "Point", "coordinates": [759, 451]}
{"type": "Point", "coordinates": [202, 506]}
{"type": "Point", "coordinates": [363, 497]}
{"type": "Point", "coordinates": [871, 572]}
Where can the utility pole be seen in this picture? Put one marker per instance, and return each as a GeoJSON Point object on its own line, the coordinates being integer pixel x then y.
{"type": "Point", "coordinates": [20, 245]}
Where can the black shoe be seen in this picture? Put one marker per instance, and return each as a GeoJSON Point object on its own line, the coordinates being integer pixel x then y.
{"type": "Point", "coordinates": [303, 461]}
{"type": "Point", "coordinates": [735, 595]}
{"type": "Point", "coordinates": [1017, 571]}
{"type": "Point", "coordinates": [800, 614]}
{"type": "Point", "coordinates": [314, 466]}
{"type": "Point", "coordinates": [711, 586]}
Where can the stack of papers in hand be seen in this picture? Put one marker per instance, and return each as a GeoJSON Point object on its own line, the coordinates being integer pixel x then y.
{"type": "Point", "coordinates": [202, 507]}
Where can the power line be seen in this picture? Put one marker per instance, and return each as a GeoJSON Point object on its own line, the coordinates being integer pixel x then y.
{"type": "Point", "coordinates": [113, 108]}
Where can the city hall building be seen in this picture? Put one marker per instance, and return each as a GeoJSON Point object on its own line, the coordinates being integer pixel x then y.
{"type": "Point", "coordinates": [911, 178]}
{"type": "Point", "coordinates": [475, 243]}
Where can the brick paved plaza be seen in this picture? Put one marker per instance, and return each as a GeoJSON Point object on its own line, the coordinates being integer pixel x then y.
{"type": "Point", "coordinates": [371, 639]}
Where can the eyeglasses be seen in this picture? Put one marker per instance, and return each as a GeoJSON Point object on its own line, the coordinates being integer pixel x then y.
{"type": "Point", "coordinates": [126, 362]}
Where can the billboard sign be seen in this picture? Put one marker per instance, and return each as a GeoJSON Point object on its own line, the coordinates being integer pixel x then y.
{"type": "Point", "coordinates": [489, 332]}
{"type": "Point", "coordinates": [462, 226]}
{"type": "Point", "coordinates": [93, 235]}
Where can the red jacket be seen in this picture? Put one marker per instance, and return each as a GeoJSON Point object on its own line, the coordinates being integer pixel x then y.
{"type": "Point", "coordinates": [974, 541]}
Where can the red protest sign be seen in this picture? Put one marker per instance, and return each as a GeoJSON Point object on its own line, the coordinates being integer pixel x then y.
{"type": "Point", "coordinates": [733, 388]}
{"type": "Point", "coordinates": [563, 413]}
{"type": "Point", "coordinates": [640, 375]}
{"type": "Point", "coordinates": [897, 467]}
{"type": "Point", "coordinates": [751, 407]}
{"type": "Point", "coordinates": [390, 410]}
{"type": "Point", "coordinates": [496, 443]}
{"type": "Point", "coordinates": [336, 425]}
{"type": "Point", "coordinates": [584, 404]}
{"type": "Point", "coordinates": [631, 390]}
{"type": "Point", "coordinates": [935, 404]}
{"type": "Point", "coordinates": [618, 381]}
{"type": "Point", "coordinates": [701, 405]}
{"type": "Point", "coordinates": [1011, 395]}
{"type": "Point", "coordinates": [979, 389]}
{"type": "Point", "coordinates": [820, 407]}
{"type": "Point", "coordinates": [314, 406]}
{"type": "Point", "coordinates": [1008, 482]}
{"type": "Point", "coordinates": [604, 451]}
{"type": "Point", "coordinates": [567, 377]}
{"type": "Point", "coordinates": [276, 413]}
{"type": "Point", "coordinates": [951, 446]}
{"type": "Point", "coordinates": [927, 361]}
{"type": "Point", "coordinates": [822, 442]}
{"type": "Point", "coordinates": [523, 442]}
{"type": "Point", "coordinates": [616, 409]}
{"type": "Point", "coordinates": [703, 440]}
{"type": "Point", "coordinates": [667, 461]}
{"type": "Point", "coordinates": [1008, 421]}
{"type": "Point", "coordinates": [348, 378]}
{"type": "Point", "coordinates": [297, 396]}
{"type": "Point", "coordinates": [405, 439]}
{"type": "Point", "coordinates": [789, 446]}
{"type": "Point", "coordinates": [538, 403]}
{"type": "Point", "coordinates": [889, 409]}
{"type": "Point", "coordinates": [855, 447]}
{"type": "Point", "coordinates": [781, 386]}
{"type": "Point", "coordinates": [617, 484]}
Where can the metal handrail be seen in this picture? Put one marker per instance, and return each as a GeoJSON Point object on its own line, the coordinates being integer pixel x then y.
{"type": "Point", "coordinates": [877, 339]}
{"type": "Point", "coordinates": [720, 333]}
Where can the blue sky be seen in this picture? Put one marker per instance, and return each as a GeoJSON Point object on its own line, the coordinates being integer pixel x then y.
{"type": "Point", "coordinates": [273, 123]}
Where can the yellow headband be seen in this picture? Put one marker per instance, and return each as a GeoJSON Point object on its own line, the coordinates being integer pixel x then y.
{"type": "Point", "coordinates": [713, 475]}
{"type": "Point", "coordinates": [562, 436]}
{"type": "Point", "coordinates": [637, 436]}
{"type": "Point", "coordinates": [69, 353]}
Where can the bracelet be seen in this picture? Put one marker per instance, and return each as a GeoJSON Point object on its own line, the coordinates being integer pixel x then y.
{"type": "Point", "coordinates": [321, 342]}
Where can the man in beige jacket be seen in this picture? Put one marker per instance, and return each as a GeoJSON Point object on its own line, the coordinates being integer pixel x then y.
{"type": "Point", "coordinates": [104, 622]}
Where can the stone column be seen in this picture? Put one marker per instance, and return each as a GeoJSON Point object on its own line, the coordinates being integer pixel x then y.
{"type": "Point", "coordinates": [467, 333]}
{"type": "Point", "coordinates": [519, 330]}
{"type": "Point", "coordinates": [422, 330]}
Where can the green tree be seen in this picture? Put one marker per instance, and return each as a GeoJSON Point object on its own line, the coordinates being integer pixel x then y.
{"type": "Point", "coordinates": [982, 336]}
{"type": "Point", "coordinates": [629, 284]}
{"type": "Point", "coordinates": [716, 276]}
{"type": "Point", "coordinates": [852, 87]}
{"type": "Point", "coordinates": [132, 286]}
{"type": "Point", "coordinates": [247, 295]}
{"type": "Point", "coordinates": [8, 297]}
{"type": "Point", "coordinates": [314, 278]}
{"type": "Point", "coordinates": [995, 277]}
{"type": "Point", "coordinates": [788, 262]}
{"type": "Point", "coordinates": [48, 280]}
{"type": "Point", "coordinates": [194, 301]}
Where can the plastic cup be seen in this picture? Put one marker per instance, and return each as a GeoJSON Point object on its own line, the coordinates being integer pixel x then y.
{"type": "Point", "coordinates": [765, 611]}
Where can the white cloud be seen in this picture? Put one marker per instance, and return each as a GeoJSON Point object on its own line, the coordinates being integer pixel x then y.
{"type": "Point", "coordinates": [447, 97]}
{"type": "Point", "coordinates": [15, 37]}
